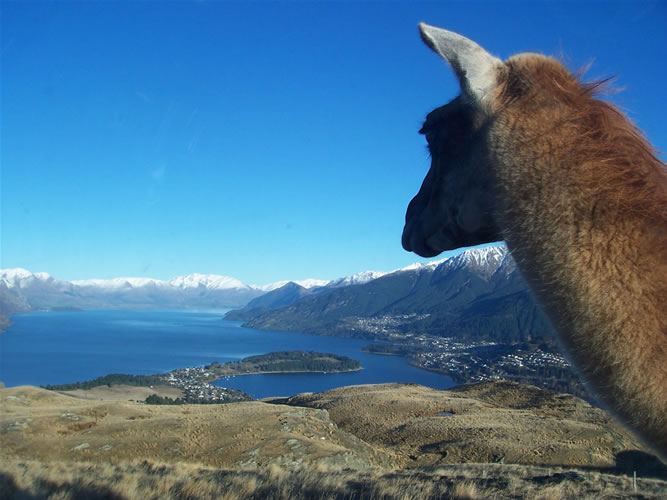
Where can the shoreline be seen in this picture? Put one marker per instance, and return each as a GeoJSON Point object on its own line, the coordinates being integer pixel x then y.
{"type": "Point", "coordinates": [286, 372]}
{"type": "Point", "coordinates": [456, 379]}
{"type": "Point", "coordinates": [219, 378]}
{"type": "Point", "coordinates": [207, 384]}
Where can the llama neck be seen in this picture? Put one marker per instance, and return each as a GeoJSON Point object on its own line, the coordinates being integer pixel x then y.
{"type": "Point", "coordinates": [584, 210]}
{"type": "Point", "coordinates": [589, 260]}
{"type": "Point", "coordinates": [600, 272]}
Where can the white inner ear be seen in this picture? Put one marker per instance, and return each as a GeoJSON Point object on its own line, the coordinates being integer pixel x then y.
{"type": "Point", "coordinates": [475, 68]}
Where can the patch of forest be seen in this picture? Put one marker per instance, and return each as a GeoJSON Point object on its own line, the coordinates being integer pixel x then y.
{"type": "Point", "coordinates": [286, 361]}
{"type": "Point", "coordinates": [392, 349]}
{"type": "Point", "coordinates": [109, 380]}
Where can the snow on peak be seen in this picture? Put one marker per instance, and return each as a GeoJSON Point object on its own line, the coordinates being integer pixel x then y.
{"type": "Point", "coordinates": [14, 274]}
{"type": "Point", "coordinates": [118, 283]}
{"type": "Point", "coordinates": [269, 287]}
{"type": "Point", "coordinates": [419, 266]}
{"type": "Point", "coordinates": [357, 279]}
{"type": "Point", "coordinates": [307, 283]}
{"type": "Point", "coordinates": [20, 277]}
{"type": "Point", "coordinates": [210, 281]}
{"type": "Point", "coordinates": [484, 261]}
{"type": "Point", "coordinates": [486, 256]}
{"type": "Point", "coordinates": [311, 283]}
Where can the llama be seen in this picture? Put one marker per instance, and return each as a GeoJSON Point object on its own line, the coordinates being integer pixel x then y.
{"type": "Point", "coordinates": [527, 154]}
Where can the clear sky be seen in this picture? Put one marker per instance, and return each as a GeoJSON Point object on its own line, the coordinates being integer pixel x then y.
{"type": "Point", "coordinates": [263, 141]}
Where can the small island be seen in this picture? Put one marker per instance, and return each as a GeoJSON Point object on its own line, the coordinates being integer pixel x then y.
{"type": "Point", "coordinates": [195, 383]}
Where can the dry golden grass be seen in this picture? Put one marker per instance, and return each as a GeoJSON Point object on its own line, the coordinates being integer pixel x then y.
{"type": "Point", "coordinates": [492, 422]}
{"type": "Point", "coordinates": [365, 442]}
{"type": "Point", "coordinates": [122, 392]}
{"type": "Point", "coordinates": [466, 490]}
{"type": "Point", "coordinates": [148, 481]}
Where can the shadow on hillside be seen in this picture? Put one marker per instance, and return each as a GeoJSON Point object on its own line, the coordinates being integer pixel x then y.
{"type": "Point", "coordinates": [645, 464]}
{"type": "Point", "coordinates": [77, 489]}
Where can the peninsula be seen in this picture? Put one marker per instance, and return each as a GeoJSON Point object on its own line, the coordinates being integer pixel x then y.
{"type": "Point", "coordinates": [286, 362]}
{"type": "Point", "coordinates": [195, 385]}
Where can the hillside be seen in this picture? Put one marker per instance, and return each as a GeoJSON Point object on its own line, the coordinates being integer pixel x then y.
{"type": "Point", "coordinates": [293, 292]}
{"type": "Point", "coordinates": [478, 295]}
{"type": "Point", "coordinates": [285, 295]}
{"type": "Point", "coordinates": [10, 303]}
{"type": "Point", "coordinates": [527, 437]}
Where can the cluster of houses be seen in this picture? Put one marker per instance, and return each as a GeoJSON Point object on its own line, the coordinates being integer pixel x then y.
{"type": "Point", "coordinates": [467, 362]}
{"type": "Point", "coordinates": [533, 359]}
{"type": "Point", "coordinates": [194, 382]}
{"type": "Point", "coordinates": [384, 326]}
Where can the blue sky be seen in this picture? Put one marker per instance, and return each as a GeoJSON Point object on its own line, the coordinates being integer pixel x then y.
{"type": "Point", "coordinates": [258, 140]}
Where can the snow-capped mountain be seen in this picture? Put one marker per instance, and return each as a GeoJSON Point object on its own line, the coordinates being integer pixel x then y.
{"type": "Point", "coordinates": [283, 293]}
{"type": "Point", "coordinates": [42, 291]}
{"type": "Point", "coordinates": [118, 283]}
{"type": "Point", "coordinates": [196, 280]}
{"type": "Point", "coordinates": [307, 283]}
{"type": "Point", "coordinates": [421, 266]}
{"type": "Point", "coordinates": [22, 279]}
{"type": "Point", "coordinates": [356, 279]}
{"type": "Point", "coordinates": [14, 278]}
{"type": "Point", "coordinates": [484, 262]}
{"type": "Point", "coordinates": [209, 281]}
{"type": "Point", "coordinates": [476, 294]}
{"type": "Point", "coordinates": [23, 290]}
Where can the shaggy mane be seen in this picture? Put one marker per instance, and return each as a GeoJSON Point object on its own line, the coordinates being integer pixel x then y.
{"type": "Point", "coordinates": [622, 163]}
{"type": "Point", "coordinates": [617, 161]}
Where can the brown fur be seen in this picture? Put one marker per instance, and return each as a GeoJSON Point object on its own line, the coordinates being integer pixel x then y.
{"type": "Point", "coordinates": [581, 199]}
{"type": "Point", "coordinates": [584, 211]}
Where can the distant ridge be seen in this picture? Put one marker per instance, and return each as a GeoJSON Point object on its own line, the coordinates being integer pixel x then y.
{"type": "Point", "coordinates": [22, 291]}
{"type": "Point", "coordinates": [40, 291]}
{"type": "Point", "coordinates": [476, 295]}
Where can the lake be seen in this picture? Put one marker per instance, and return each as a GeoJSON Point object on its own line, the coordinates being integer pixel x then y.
{"type": "Point", "coordinates": [62, 347]}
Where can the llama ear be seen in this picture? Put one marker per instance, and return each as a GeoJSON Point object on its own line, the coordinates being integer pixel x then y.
{"type": "Point", "coordinates": [475, 68]}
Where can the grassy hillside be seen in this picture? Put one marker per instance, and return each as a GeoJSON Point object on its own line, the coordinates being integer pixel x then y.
{"type": "Point", "coordinates": [493, 440]}
{"type": "Point", "coordinates": [157, 480]}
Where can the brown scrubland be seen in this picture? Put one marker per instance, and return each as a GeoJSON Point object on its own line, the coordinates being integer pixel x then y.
{"type": "Point", "coordinates": [491, 440]}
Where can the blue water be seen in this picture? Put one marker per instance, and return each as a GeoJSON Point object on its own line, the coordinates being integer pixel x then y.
{"type": "Point", "coordinates": [61, 347]}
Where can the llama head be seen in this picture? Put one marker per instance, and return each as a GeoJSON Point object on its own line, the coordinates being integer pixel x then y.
{"type": "Point", "coordinates": [457, 204]}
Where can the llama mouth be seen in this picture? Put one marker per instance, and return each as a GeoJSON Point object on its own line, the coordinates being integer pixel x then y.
{"type": "Point", "coordinates": [413, 241]}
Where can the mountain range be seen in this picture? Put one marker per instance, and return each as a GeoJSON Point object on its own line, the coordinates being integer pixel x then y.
{"type": "Point", "coordinates": [478, 294]}
{"type": "Point", "coordinates": [24, 291]}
